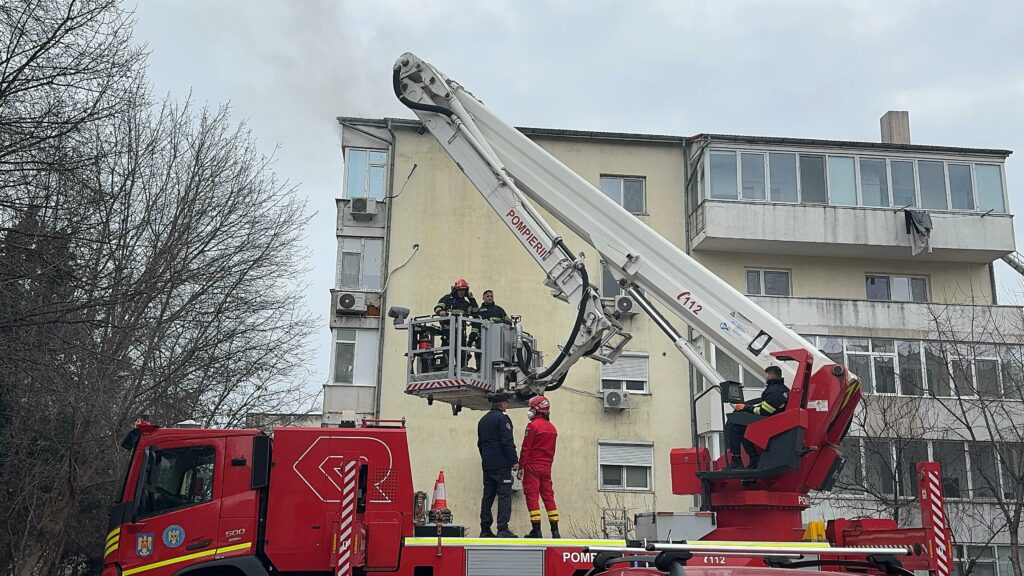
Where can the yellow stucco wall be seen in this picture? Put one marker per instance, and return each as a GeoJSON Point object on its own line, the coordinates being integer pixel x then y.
{"type": "Point", "coordinates": [460, 236]}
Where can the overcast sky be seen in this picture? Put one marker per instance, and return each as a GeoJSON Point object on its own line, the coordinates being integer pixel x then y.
{"type": "Point", "coordinates": [797, 69]}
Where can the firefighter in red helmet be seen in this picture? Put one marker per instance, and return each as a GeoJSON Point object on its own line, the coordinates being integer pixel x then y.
{"type": "Point", "coordinates": [458, 302]}
{"type": "Point", "coordinates": [536, 457]}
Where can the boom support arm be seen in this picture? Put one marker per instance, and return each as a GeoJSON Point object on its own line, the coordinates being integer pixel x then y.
{"type": "Point", "coordinates": [440, 105]}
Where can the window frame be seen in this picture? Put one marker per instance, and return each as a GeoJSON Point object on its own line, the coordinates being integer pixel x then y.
{"type": "Point", "coordinates": [346, 192]}
{"type": "Point", "coordinates": [623, 488]}
{"type": "Point", "coordinates": [761, 271]}
{"type": "Point", "coordinates": [342, 251]}
{"type": "Point", "coordinates": [646, 391]}
{"type": "Point", "coordinates": [909, 277]}
{"type": "Point", "coordinates": [622, 190]}
{"type": "Point", "coordinates": [151, 462]}
{"type": "Point", "coordinates": [856, 155]}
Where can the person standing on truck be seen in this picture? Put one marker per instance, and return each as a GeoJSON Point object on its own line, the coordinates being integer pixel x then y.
{"type": "Point", "coordinates": [498, 460]}
{"type": "Point", "coordinates": [490, 311]}
{"type": "Point", "coordinates": [535, 459]}
{"type": "Point", "coordinates": [772, 401]}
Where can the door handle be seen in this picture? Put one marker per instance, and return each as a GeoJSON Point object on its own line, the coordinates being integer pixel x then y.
{"type": "Point", "coordinates": [198, 545]}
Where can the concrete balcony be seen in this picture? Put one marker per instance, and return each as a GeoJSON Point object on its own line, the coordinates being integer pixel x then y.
{"type": "Point", "coordinates": [845, 232]}
{"type": "Point", "coordinates": [901, 320]}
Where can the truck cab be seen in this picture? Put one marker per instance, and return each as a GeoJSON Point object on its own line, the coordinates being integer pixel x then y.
{"type": "Point", "coordinates": [188, 497]}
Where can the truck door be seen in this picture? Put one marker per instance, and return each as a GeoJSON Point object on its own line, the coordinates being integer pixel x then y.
{"type": "Point", "coordinates": [177, 508]}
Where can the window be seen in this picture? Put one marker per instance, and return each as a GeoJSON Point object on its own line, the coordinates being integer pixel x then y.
{"type": "Point", "coordinates": [723, 175]}
{"type": "Point", "coordinates": [990, 188]}
{"type": "Point", "coordinates": [851, 478]}
{"type": "Point", "coordinates": [960, 189]}
{"type": "Point", "coordinates": [842, 181]}
{"type": "Point", "coordinates": [1011, 464]}
{"type": "Point", "coordinates": [176, 478]}
{"type": "Point", "coordinates": [767, 282]}
{"type": "Point", "coordinates": [933, 185]}
{"type": "Point", "coordinates": [984, 469]}
{"type": "Point", "coordinates": [355, 357]}
{"type": "Point", "coordinates": [904, 192]}
{"type": "Point", "coordinates": [938, 372]}
{"type": "Point", "coordinates": [629, 373]}
{"type": "Point", "coordinates": [911, 375]}
{"type": "Point", "coordinates": [874, 185]}
{"type": "Point", "coordinates": [908, 454]}
{"type": "Point", "coordinates": [359, 263]}
{"type": "Point", "coordinates": [753, 175]}
{"type": "Point", "coordinates": [365, 171]}
{"type": "Point", "coordinates": [812, 179]}
{"type": "Point", "coordinates": [782, 169]}
{"type": "Point", "coordinates": [874, 361]}
{"type": "Point", "coordinates": [627, 192]}
{"type": "Point", "coordinates": [879, 461]}
{"type": "Point", "coordinates": [625, 465]}
{"type": "Point", "coordinates": [897, 288]}
{"type": "Point", "coordinates": [953, 459]}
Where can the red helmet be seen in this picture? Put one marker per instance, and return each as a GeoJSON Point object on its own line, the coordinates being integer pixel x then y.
{"type": "Point", "coordinates": [460, 284]}
{"type": "Point", "coordinates": [540, 404]}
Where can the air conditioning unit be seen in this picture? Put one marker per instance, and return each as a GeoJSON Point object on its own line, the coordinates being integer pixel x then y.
{"type": "Point", "coordinates": [349, 302]}
{"type": "Point", "coordinates": [616, 399]}
{"type": "Point", "coordinates": [363, 208]}
{"type": "Point", "coordinates": [625, 305]}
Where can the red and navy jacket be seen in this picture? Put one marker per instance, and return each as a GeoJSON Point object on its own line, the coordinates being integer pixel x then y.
{"type": "Point", "coordinates": [538, 450]}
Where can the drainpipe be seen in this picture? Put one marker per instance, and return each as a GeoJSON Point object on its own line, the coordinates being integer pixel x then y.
{"type": "Point", "coordinates": [386, 249]}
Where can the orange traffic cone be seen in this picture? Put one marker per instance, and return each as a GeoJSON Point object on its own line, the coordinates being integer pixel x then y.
{"type": "Point", "coordinates": [440, 502]}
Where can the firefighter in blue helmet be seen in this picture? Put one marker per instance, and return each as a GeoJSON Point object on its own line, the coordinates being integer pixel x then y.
{"type": "Point", "coordinates": [499, 461]}
{"type": "Point", "coordinates": [772, 401]}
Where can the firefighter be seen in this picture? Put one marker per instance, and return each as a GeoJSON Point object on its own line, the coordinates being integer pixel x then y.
{"type": "Point", "coordinates": [772, 401]}
{"type": "Point", "coordinates": [461, 303]}
{"type": "Point", "coordinates": [535, 460]}
{"type": "Point", "coordinates": [490, 311]}
{"type": "Point", "coordinates": [458, 302]}
{"type": "Point", "coordinates": [498, 460]}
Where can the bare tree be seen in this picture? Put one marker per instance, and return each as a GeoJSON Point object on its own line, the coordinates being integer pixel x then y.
{"type": "Point", "coordinates": [162, 279]}
{"type": "Point", "coordinates": [981, 396]}
{"type": "Point", "coordinates": [965, 414]}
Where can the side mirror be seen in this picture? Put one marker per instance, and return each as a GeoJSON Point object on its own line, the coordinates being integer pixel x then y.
{"type": "Point", "coordinates": [399, 314]}
{"type": "Point", "coordinates": [732, 392]}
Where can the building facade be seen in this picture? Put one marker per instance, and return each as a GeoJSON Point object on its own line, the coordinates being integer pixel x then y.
{"type": "Point", "coordinates": [814, 231]}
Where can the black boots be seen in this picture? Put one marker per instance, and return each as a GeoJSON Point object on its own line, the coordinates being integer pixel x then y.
{"type": "Point", "coordinates": [535, 531]}
{"type": "Point", "coordinates": [554, 529]}
{"type": "Point", "coordinates": [506, 534]}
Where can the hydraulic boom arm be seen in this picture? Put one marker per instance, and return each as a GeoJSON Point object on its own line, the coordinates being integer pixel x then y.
{"type": "Point", "coordinates": [507, 167]}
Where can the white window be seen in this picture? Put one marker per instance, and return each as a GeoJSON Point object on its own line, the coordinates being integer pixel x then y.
{"type": "Point", "coordinates": [365, 172]}
{"type": "Point", "coordinates": [359, 263]}
{"type": "Point", "coordinates": [629, 373]}
{"type": "Point", "coordinates": [767, 282]}
{"type": "Point", "coordinates": [625, 465]}
{"type": "Point", "coordinates": [355, 357]}
{"type": "Point", "coordinates": [897, 288]}
{"type": "Point", "coordinates": [626, 191]}
{"type": "Point", "coordinates": [723, 175]}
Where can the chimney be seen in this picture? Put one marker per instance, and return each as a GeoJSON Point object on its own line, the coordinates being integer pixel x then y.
{"type": "Point", "coordinates": [895, 127]}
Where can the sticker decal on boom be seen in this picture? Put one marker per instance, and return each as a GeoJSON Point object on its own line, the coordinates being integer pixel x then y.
{"type": "Point", "coordinates": [687, 300]}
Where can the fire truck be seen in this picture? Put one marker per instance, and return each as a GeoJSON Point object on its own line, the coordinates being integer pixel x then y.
{"type": "Point", "coordinates": [340, 501]}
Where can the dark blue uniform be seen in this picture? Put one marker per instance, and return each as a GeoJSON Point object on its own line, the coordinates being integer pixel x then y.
{"type": "Point", "coordinates": [772, 400]}
{"type": "Point", "coordinates": [497, 456]}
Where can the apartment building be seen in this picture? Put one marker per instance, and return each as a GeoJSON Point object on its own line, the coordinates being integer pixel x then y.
{"type": "Point", "coordinates": [814, 231]}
